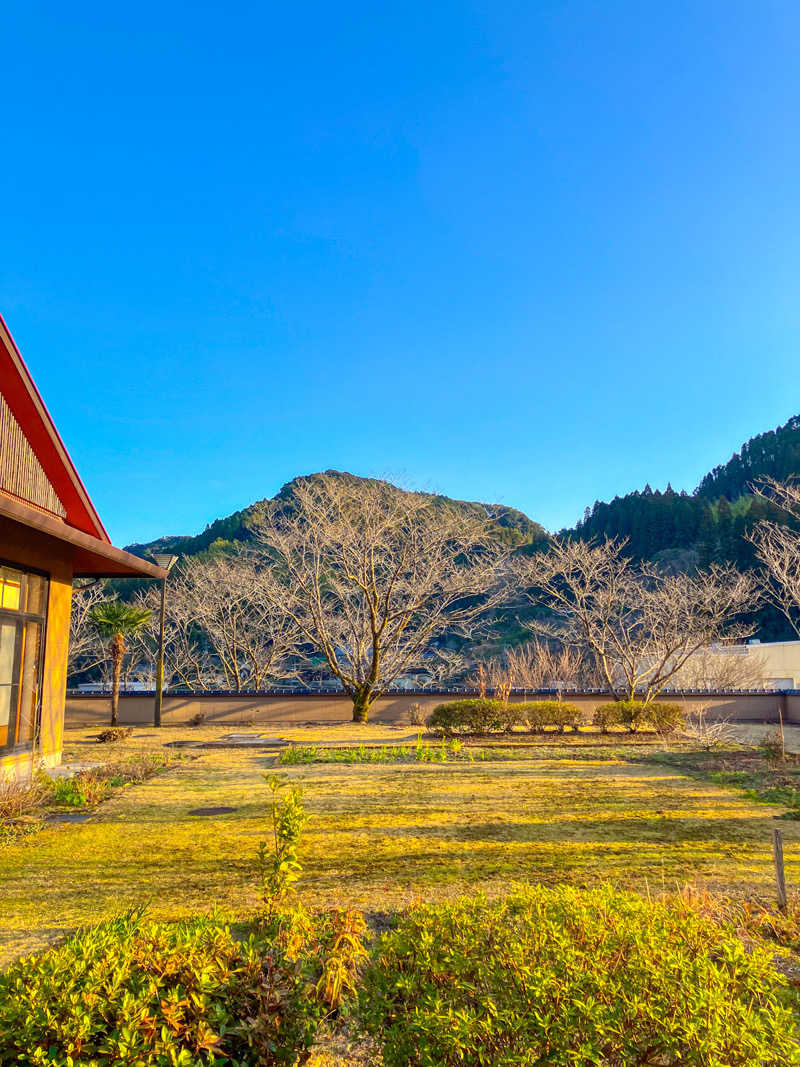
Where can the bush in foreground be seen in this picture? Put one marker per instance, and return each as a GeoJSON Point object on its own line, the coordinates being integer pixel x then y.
{"type": "Point", "coordinates": [126, 991]}
{"type": "Point", "coordinates": [569, 976]}
{"type": "Point", "coordinates": [189, 994]}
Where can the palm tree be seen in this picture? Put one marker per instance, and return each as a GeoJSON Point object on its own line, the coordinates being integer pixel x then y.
{"type": "Point", "coordinates": [115, 621]}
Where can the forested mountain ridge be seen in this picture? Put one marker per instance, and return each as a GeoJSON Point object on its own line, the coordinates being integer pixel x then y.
{"type": "Point", "coordinates": [679, 529]}
{"type": "Point", "coordinates": [707, 525]}
{"type": "Point", "coordinates": [711, 524]}
{"type": "Point", "coordinates": [507, 524]}
{"type": "Point", "coordinates": [713, 521]}
{"type": "Point", "coordinates": [774, 454]}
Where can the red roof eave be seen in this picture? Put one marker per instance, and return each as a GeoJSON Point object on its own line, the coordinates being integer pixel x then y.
{"type": "Point", "coordinates": [91, 556]}
{"type": "Point", "coordinates": [28, 408]}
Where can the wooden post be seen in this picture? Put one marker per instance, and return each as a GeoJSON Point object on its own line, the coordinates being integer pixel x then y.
{"type": "Point", "coordinates": [780, 877]}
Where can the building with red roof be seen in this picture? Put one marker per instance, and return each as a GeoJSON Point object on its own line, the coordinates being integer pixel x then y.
{"type": "Point", "coordinates": [50, 534]}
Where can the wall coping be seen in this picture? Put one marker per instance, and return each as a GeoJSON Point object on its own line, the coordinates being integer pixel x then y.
{"type": "Point", "coordinates": [316, 694]}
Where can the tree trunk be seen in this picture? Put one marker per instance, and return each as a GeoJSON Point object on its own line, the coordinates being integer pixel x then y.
{"type": "Point", "coordinates": [361, 703]}
{"type": "Point", "coordinates": [117, 653]}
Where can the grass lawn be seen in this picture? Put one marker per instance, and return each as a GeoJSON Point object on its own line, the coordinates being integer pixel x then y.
{"type": "Point", "coordinates": [383, 834]}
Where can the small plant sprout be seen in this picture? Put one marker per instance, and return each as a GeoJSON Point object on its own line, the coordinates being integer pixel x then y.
{"type": "Point", "coordinates": [278, 864]}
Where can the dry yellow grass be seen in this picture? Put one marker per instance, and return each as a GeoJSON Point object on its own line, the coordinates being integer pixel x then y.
{"type": "Point", "coordinates": [379, 835]}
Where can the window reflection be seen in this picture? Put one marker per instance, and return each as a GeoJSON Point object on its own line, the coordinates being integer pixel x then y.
{"type": "Point", "coordinates": [10, 589]}
{"type": "Point", "coordinates": [8, 640]}
{"type": "Point", "coordinates": [23, 598]}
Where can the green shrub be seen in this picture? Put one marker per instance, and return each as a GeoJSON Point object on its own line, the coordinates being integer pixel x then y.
{"type": "Point", "coordinates": [137, 992]}
{"type": "Point", "coordinates": [569, 976]}
{"type": "Point", "coordinates": [607, 715]}
{"type": "Point", "coordinates": [128, 991]}
{"type": "Point", "coordinates": [478, 716]}
{"type": "Point", "coordinates": [634, 714]}
{"type": "Point", "coordinates": [539, 714]}
{"type": "Point", "coordinates": [665, 718]}
{"type": "Point", "coordinates": [483, 716]}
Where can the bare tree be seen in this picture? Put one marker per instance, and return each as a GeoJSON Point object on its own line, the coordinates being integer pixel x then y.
{"type": "Point", "coordinates": [777, 546]}
{"type": "Point", "coordinates": [221, 622]}
{"type": "Point", "coordinates": [708, 733]}
{"type": "Point", "coordinates": [711, 670]}
{"type": "Point", "coordinates": [374, 577]}
{"type": "Point", "coordinates": [535, 665]}
{"type": "Point", "coordinates": [547, 665]}
{"type": "Point", "coordinates": [188, 660]}
{"type": "Point", "coordinates": [86, 649]}
{"type": "Point", "coordinates": [638, 624]}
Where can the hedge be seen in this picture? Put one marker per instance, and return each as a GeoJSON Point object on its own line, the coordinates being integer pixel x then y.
{"type": "Point", "coordinates": [539, 714]}
{"type": "Point", "coordinates": [634, 714]}
{"type": "Point", "coordinates": [483, 716]}
{"type": "Point", "coordinates": [561, 975]}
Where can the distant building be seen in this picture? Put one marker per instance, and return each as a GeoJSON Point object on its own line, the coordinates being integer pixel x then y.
{"type": "Point", "coordinates": [50, 533]}
{"type": "Point", "coordinates": [755, 665]}
{"type": "Point", "coordinates": [780, 662]}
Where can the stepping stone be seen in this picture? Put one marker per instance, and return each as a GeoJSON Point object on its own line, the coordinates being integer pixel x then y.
{"type": "Point", "coordinates": [69, 770]}
{"type": "Point", "coordinates": [70, 817]}
{"type": "Point", "coordinates": [243, 741]}
{"type": "Point", "coordinates": [211, 811]}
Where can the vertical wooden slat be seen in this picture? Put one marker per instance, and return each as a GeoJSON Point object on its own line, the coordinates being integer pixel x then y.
{"type": "Point", "coordinates": [21, 473]}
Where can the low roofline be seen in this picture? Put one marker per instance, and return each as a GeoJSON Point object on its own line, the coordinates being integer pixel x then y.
{"type": "Point", "coordinates": [93, 558]}
{"type": "Point", "coordinates": [764, 644]}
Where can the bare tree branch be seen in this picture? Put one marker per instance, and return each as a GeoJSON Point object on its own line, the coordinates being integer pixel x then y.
{"type": "Point", "coordinates": [374, 577]}
{"type": "Point", "coordinates": [221, 627]}
{"type": "Point", "coordinates": [713, 669]}
{"type": "Point", "coordinates": [86, 649]}
{"type": "Point", "coordinates": [777, 546]}
{"type": "Point", "coordinates": [639, 625]}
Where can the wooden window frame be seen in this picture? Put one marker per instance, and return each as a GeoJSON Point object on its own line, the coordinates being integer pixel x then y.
{"type": "Point", "coordinates": [21, 619]}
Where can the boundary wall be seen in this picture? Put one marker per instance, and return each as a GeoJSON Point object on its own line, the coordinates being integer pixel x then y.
{"type": "Point", "coordinates": [257, 709]}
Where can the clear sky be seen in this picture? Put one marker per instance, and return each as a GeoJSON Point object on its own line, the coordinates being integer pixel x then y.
{"type": "Point", "coordinates": [536, 252]}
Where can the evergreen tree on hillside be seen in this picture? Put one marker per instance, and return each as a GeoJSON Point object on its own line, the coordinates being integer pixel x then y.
{"type": "Point", "coordinates": [775, 454]}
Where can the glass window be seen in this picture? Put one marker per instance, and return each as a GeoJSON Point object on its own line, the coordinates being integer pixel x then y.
{"type": "Point", "coordinates": [10, 589]}
{"type": "Point", "coordinates": [8, 641]}
{"type": "Point", "coordinates": [29, 682]}
{"type": "Point", "coordinates": [23, 598]}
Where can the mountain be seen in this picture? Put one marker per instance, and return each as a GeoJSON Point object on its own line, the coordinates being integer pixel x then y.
{"type": "Point", "coordinates": [711, 524]}
{"type": "Point", "coordinates": [508, 525]}
{"type": "Point", "coordinates": [774, 454]}
{"type": "Point", "coordinates": [678, 529]}
{"type": "Point", "coordinates": [712, 521]}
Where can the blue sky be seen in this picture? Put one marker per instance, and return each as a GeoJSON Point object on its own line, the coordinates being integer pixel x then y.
{"type": "Point", "coordinates": [537, 252]}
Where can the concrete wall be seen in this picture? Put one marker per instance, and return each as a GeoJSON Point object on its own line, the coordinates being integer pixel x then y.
{"type": "Point", "coordinates": [29, 548]}
{"type": "Point", "coordinates": [780, 660]}
{"type": "Point", "coordinates": [298, 708]}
